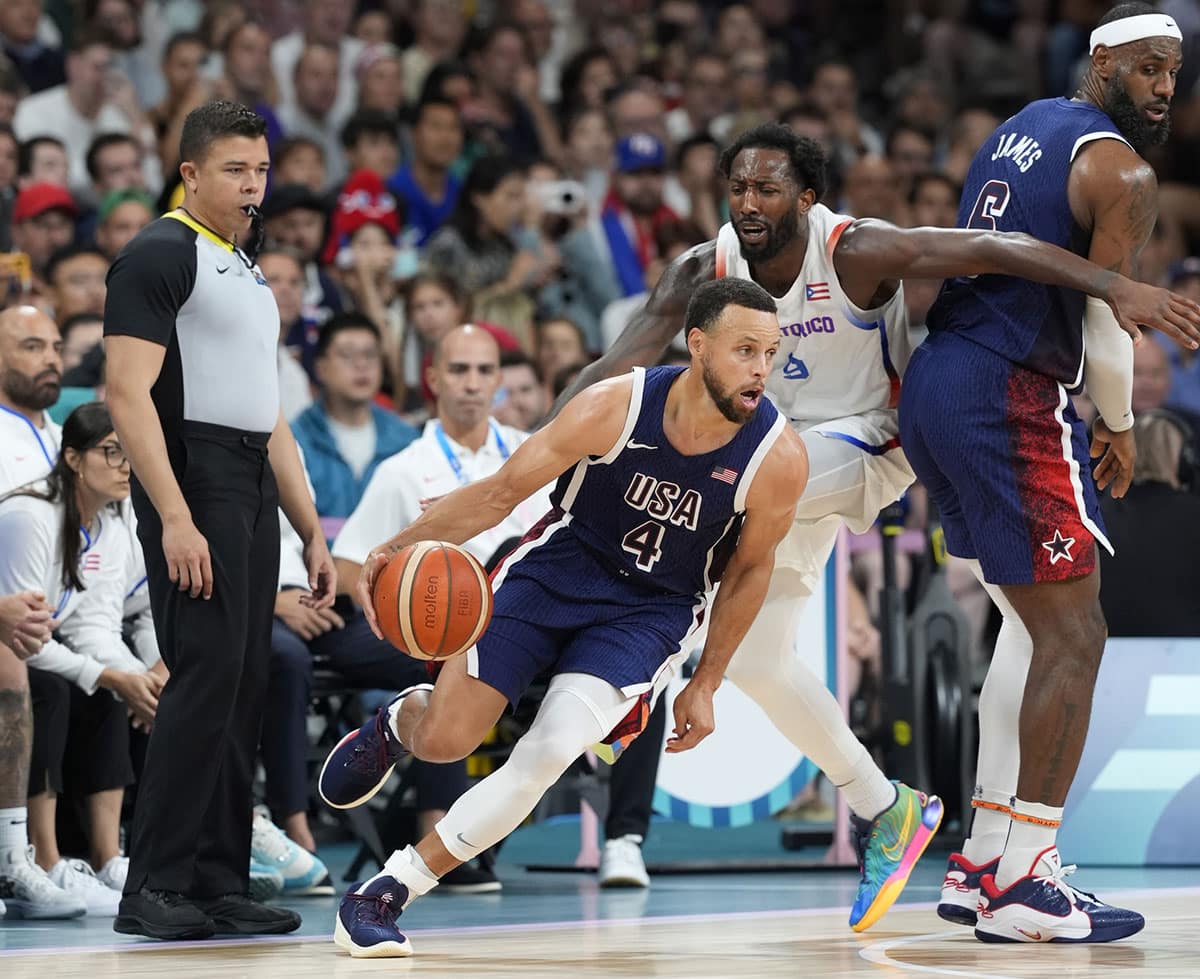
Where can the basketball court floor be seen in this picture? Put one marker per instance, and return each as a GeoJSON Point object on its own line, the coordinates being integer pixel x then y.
{"type": "Point", "coordinates": [712, 925]}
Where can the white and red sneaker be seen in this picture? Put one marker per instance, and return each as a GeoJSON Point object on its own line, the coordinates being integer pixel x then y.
{"type": "Point", "coordinates": [960, 889]}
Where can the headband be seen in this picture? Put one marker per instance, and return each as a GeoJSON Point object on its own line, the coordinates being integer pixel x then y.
{"type": "Point", "coordinates": [1130, 29]}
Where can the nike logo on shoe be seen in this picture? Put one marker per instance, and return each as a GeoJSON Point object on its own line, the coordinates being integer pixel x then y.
{"type": "Point", "coordinates": [1035, 936]}
{"type": "Point", "coordinates": [631, 444]}
{"type": "Point", "coordinates": [224, 270]}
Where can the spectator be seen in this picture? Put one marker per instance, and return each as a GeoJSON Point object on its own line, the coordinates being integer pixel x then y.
{"type": "Point", "coordinates": [749, 71]}
{"type": "Point", "coordinates": [186, 88]}
{"type": "Point", "coordinates": [537, 27]}
{"type": "Point", "coordinates": [294, 216]}
{"type": "Point", "coordinates": [1146, 586]}
{"type": "Point", "coordinates": [9, 153]}
{"type": "Point", "coordinates": [635, 109]}
{"type": "Point", "coordinates": [910, 152]}
{"type": "Point", "coordinates": [506, 115]}
{"type": "Point", "coordinates": [560, 344]}
{"type": "Point", "coordinates": [12, 89]}
{"type": "Point", "coordinates": [42, 160]}
{"type": "Point", "coordinates": [75, 283]}
{"type": "Point", "coordinates": [871, 190]}
{"type": "Point", "coordinates": [967, 132]}
{"type": "Point", "coordinates": [248, 77]}
{"type": "Point", "coordinates": [380, 80]}
{"type": "Point", "coordinates": [312, 113]}
{"type": "Point", "coordinates": [586, 79]}
{"type": "Point", "coordinates": [344, 435]}
{"type": "Point", "coordinates": [324, 23]}
{"type": "Point", "coordinates": [834, 90]}
{"type": "Point", "coordinates": [115, 162]}
{"type": "Point", "coordinates": [300, 161]}
{"type": "Point", "coordinates": [30, 382]}
{"type": "Point", "coordinates": [371, 143]}
{"type": "Point", "coordinates": [373, 27]}
{"type": "Point", "coordinates": [588, 149]}
{"type": "Point", "coordinates": [697, 190]}
{"type": "Point", "coordinates": [39, 65]}
{"type": "Point", "coordinates": [523, 397]}
{"type": "Point", "coordinates": [634, 209]}
{"type": "Point", "coordinates": [478, 247]}
{"type": "Point", "coordinates": [284, 273]}
{"type": "Point", "coordinates": [438, 31]}
{"type": "Point", "coordinates": [1184, 394]}
{"type": "Point", "coordinates": [425, 187]}
{"type": "Point", "coordinates": [81, 334]}
{"type": "Point", "coordinates": [933, 201]}
{"type": "Point", "coordinates": [92, 100]}
{"type": "Point", "coordinates": [43, 222]}
{"type": "Point", "coordinates": [120, 216]}
{"type": "Point", "coordinates": [705, 99]}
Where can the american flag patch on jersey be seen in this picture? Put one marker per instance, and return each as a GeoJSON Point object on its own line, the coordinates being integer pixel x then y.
{"type": "Point", "coordinates": [90, 562]}
{"type": "Point", "coordinates": [724, 475]}
{"type": "Point", "coordinates": [817, 291]}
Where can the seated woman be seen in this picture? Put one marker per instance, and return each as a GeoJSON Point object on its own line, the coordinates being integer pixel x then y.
{"type": "Point", "coordinates": [67, 538]}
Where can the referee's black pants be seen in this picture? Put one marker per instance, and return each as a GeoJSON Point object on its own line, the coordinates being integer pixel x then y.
{"type": "Point", "coordinates": [192, 819]}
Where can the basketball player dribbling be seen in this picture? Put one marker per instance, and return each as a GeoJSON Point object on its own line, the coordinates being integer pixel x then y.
{"type": "Point", "coordinates": [989, 429]}
{"type": "Point", "coordinates": [843, 347]}
{"type": "Point", "coordinates": [669, 480]}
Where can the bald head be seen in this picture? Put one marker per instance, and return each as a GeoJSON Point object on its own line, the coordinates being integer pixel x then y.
{"type": "Point", "coordinates": [465, 376]}
{"type": "Point", "coordinates": [1151, 376]}
{"type": "Point", "coordinates": [30, 359]}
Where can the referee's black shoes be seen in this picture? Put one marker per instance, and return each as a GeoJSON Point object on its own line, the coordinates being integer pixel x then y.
{"type": "Point", "coordinates": [170, 916]}
{"type": "Point", "coordinates": [162, 914]}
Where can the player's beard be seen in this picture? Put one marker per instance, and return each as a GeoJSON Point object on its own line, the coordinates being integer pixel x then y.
{"type": "Point", "coordinates": [31, 393]}
{"type": "Point", "coordinates": [779, 235]}
{"type": "Point", "coordinates": [1131, 120]}
{"type": "Point", "coordinates": [724, 401]}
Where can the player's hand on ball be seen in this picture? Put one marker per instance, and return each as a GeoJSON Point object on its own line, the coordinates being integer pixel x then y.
{"type": "Point", "coordinates": [694, 722]}
{"type": "Point", "coordinates": [364, 591]}
{"type": "Point", "coordinates": [1138, 304]}
{"type": "Point", "coordinates": [1117, 453]}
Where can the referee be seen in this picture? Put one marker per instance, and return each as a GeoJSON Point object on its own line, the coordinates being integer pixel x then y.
{"type": "Point", "coordinates": [190, 332]}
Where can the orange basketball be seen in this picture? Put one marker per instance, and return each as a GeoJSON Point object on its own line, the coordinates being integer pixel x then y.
{"type": "Point", "coordinates": [433, 600]}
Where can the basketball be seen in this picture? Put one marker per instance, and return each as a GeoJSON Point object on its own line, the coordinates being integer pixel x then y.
{"type": "Point", "coordinates": [433, 600]}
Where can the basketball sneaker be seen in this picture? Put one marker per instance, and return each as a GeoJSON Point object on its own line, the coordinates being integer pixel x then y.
{"type": "Point", "coordinates": [960, 889]}
{"type": "Point", "coordinates": [77, 878]}
{"type": "Point", "coordinates": [304, 875]}
{"type": "Point", "coordinates": [1043, 907]}
{"type": "Point", "coordinates": [366, 923]}
{"type": "Point", "coordinates": [265, 882]}
{"type": "Point", "coordinates": [621, 863]}
{"type": "Point", "coordinates": [888, 848]}
{"type": "Point", "coordinates": [362, 761]}
{"type": "Point", "coordinates": [114, 873]}
{"type": "Point", "coordinates": [28, 891]}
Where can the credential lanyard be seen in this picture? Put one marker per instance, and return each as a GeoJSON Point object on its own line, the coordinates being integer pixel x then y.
{"type": "Point", "coordinates": [452, 458]}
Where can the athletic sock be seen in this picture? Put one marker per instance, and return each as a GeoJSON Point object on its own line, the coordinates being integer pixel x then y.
{"type": "Point", "coordinates": [13, 832]}
{"type": "Point", "coordinates": [407, 867]}
{"type": "Point", "coordinates": [989, 826]}
{"type": "Point", "coordinates": [1034, 829]}
{"type": "Point", "coordinates": [868, 793]}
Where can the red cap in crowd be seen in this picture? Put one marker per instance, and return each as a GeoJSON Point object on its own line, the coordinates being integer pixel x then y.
{"type": "Point", "coordinates": [39, 198]}
{"type": "Point", "coordinates": [363, 200]}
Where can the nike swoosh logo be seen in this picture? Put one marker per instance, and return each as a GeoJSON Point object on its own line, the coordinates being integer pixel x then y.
{"type": "Point", "coordinates": [223, 271]}
{"type": "Point", "coordinates": [631, 444]}
{"type": "Point", "coordinates": [1035, 935]}
{"type": "Point", "coordinates": [896, 850]}
{"type": "Point", "coordinates": [462, 841]}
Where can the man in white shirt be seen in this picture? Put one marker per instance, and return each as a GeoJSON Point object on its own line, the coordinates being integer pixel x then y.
{"type": "Point", "coordinates": [81, 109]}
{"type": "Point", "coordinates": [30, 379]}
{"type": "Point", "coordinates": [315, 109]}
{"type": "Point", "coordinates": [462, 444]}
{"type": "Point", "coordinates": [323, 22]}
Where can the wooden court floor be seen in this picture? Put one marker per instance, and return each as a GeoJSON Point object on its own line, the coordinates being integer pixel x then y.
{"type": "Point", "coordinates": [561, 925]}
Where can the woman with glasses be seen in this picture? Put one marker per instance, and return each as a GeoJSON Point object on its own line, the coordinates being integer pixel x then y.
{"type": "Point", "coordinates": [68, 537]}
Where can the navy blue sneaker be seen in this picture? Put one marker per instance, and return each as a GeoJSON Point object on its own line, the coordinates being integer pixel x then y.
{"type": "Point", "coordinates": [366, 923]}
{"type": "Point", "coordinates": [363, 760]}
{"type": "Point", "coordinates": [960, 889]}
{"type": "Point", "coordinates": [1043, 907]}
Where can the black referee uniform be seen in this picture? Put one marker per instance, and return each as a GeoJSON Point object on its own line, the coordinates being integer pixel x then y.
{"type": "Point", "coordinates": [180, 285]}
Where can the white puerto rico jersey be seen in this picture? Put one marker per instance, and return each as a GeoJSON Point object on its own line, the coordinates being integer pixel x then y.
{"type": "Point", "coordinates": [834, 359]}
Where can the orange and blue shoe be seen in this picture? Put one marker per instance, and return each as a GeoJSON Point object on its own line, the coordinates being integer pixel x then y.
{"type": "Point", "coordinates": [366, 923]}
{"type": "Point", "coordinates": [888, 848]}
{"type": "Point", "coordinates": [960, 889]}
{"type": "Point", "coordinates": [1043, 907]}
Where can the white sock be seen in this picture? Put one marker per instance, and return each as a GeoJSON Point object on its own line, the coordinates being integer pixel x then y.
{"type": "Point", "coordinates": [409, 869]}
{"type": "Point", "coordinates": [999, 760]}
{"type": "Point", "coordinates": [767, 669]}
{"type": "Point", "coordinates": [393, 709]}
{"type": "Point", "coordinates": [1034, 829]}
{"type": "Point", "coordinates": [13, 832]}
{"type": "Point", "coordinates": [989, 825]}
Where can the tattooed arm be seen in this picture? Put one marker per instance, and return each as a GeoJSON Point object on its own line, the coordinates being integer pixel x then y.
{"type": "Point", "coordinates": [16, 730]}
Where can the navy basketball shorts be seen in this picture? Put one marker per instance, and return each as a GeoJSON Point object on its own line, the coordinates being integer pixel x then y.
{"type": "Point", "coordinates": [1005, 458]}
{"type": "Point", "coordinates": [558, 608]}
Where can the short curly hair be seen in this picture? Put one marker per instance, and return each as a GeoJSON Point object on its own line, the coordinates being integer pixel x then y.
{"type": "Point", "coordinates": [805, 154]}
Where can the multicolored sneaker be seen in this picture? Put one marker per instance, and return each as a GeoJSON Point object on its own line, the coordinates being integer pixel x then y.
{"type": "Point", "coordinates": [363, 760]}
{"type": "Point", "coordinates": [1043, 907]}
{"type": "Point", "coordinates": [303, 873]}
{"type": "Point", "coordinates": [366, 923]}
{"type": "Point", "coordinates": [888, 848]}
{"type": "Point", "coordinates": [960, 889]}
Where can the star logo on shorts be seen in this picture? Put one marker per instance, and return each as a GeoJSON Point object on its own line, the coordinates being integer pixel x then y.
{"type": "Point", "coordinates": [1059, 547]}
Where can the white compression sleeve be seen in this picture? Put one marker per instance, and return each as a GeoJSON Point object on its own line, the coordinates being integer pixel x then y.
{"type": "Point", "coordinates": [1108, 365]}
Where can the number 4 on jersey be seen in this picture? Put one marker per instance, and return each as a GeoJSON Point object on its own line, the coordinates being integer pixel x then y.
{"type": "Point", "coordinates": [989, 205]}
{"type": "Point", "coordinates": [643, 542]}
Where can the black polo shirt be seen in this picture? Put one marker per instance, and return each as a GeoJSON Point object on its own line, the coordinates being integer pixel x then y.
{"type": "Point", "coordinates": [180, 285]}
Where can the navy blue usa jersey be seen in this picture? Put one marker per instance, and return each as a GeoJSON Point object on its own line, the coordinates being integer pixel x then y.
{"type": "Point", "coordinates": [665, 520]}
{"type": "Point", "coordinates": [1018, 182]}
